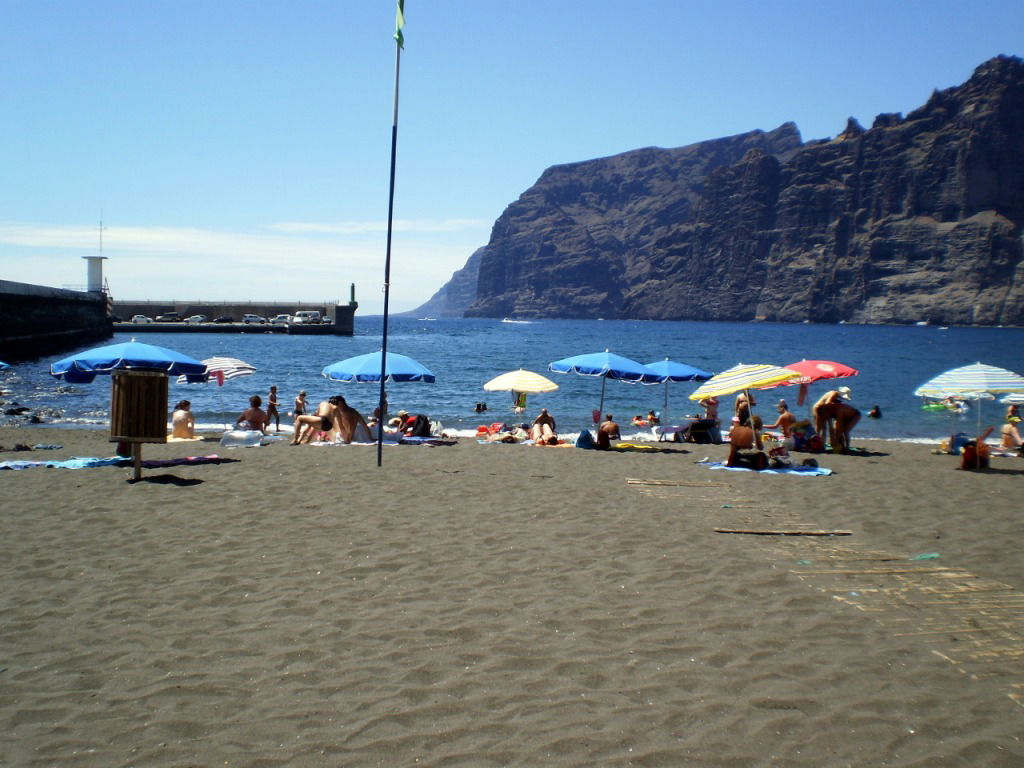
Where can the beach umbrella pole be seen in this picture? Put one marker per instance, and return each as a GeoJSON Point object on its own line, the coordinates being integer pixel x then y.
{"type": "Point", "coordinates": [750, 414]}
{"type": "Point", "coordinates": [400, 22]}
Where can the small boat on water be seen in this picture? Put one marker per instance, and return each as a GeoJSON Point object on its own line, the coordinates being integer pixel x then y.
{"type": "Point", "coordinates": [516, 322]}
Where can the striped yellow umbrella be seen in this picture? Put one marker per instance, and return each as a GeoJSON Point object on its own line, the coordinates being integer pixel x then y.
{"type": "Point", "coordinates": [743, 376]}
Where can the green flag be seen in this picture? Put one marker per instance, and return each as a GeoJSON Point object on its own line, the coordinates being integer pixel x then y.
{"type": "Point", "coordinates": [399, 24]}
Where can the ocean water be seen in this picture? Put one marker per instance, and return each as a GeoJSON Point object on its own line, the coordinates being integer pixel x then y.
{"type": "Point", "coordinates": [465, 353]}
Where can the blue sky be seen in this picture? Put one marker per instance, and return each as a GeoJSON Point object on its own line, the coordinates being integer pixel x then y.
{"type": "Point", "coordinates": [240, 150]}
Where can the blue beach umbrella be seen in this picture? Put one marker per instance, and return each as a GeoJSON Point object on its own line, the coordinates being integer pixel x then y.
{"type": "Point", "coordinates": [676, 371]}
{"type": "Point", "coordinates": [84, 367]}
{"type": "Point", "coordinates": [607, 365]}
{"type": "Point", "coordinates": [366, 368]}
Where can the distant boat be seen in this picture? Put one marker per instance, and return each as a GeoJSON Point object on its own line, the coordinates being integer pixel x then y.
{"type": "Point", "coordinates": [422, 319]}
{"type": "Point", "coordinates": [922, 322]}
{"type": "Point", "coordinates": [517, 322]}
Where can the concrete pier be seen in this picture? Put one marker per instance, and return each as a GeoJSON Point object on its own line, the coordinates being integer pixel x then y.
{"type": "Point", "coordinates": [36, 321]}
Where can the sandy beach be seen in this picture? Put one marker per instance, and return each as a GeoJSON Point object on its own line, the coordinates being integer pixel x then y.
{"type": "Point", "coordinates": [492, 605]}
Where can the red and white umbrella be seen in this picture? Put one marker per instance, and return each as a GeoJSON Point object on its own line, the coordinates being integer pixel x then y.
{"type": "Point", "coordinates": [816, 370]}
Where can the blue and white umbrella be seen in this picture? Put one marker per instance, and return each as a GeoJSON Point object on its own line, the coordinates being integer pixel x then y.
{"type": "Point", "coordinates": [366, 368]}
{"type": "Point", "coordinates": [607, 365]}
{"type": "Point", "coordinates": [224, 369]}
{"type": "Point", "coordinates": [84, 367]}
{"type": "Point", "coordinates": [972, 382]}
{"type": "Point", "coordinates": [972, 378]}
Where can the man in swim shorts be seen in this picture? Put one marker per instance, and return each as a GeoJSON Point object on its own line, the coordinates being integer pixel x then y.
{"type": "Point", "coordinates": [323, 421]}
{"type": "Point", "coordinates": [607, 432]}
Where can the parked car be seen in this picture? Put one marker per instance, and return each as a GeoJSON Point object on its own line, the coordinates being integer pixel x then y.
{"type": "Point", "coordinates": [247, 319]}
{"type": "Point", "coordinates": [195, 319]}
{"type": "Point", "coordinates": [281, 319]}
{"type": "Point", "coordinates": [169, 317]}
{"type": "Point", "coordinates": [141, 319]}
{"type": "Point", "coordinates": [307, 316]}
{"type": "Point", "coordinates": [224, 319]}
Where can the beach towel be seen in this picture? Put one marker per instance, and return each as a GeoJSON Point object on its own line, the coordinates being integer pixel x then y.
{"type": "Point", "coordinates": [112, 461]}
{"type": "Point", "coordinates": [409, 440]}
{"type": "Point", "coordinates": [807, 471]}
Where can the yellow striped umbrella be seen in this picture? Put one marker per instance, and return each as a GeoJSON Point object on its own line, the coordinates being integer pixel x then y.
{"type": "Point", "coordinates": [743, 376]}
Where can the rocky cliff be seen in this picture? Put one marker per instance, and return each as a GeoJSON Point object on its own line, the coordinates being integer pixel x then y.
{"type": "Point", "coordinates": [916, 218]}
{"type": "Point", "coordinates": [454, 296]}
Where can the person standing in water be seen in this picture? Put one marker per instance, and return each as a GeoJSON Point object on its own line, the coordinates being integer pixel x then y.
{"type": "Point", "coordinates": [272, 409]}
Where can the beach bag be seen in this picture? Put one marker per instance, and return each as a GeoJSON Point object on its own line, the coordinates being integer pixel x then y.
{"type": "Point", "coordinates": [420, 427]}
{"type": "Point", "coordinates": [585, 440]}
{"type": "Point", "coordinates": [974, 456]}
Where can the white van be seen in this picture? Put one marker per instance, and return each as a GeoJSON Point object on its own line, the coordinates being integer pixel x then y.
{"type": "Point", "coordinates": [306, 316]}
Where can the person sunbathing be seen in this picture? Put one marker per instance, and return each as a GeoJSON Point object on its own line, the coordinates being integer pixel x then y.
{"type": "Point", "coordinates": [543, 426]}
{"type": "Point", "coordinates": [321, 422]}
{"type": "Point", "coordinates": [349, 423]}
{"type": "Point", "coordinates": [549, 440]}
{"type": "Point", "coordinates": [744, 437]}
{"type": "Point", "coordinates": [607, 432]}
{"type": "Point", "coordinates": [183, 424]}
{"type": "Point", "coordinates": [1011, 434]}
{"type": "Point", "coordinates": [254, 417]}
{"type": "Point", "coordinates": [785, 421]}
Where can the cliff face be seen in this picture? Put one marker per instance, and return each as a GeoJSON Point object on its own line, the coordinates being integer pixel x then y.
{"type": "Point", "coordinates": [455, 295]}
{"type": "Point", "coordinates": [917, 218]}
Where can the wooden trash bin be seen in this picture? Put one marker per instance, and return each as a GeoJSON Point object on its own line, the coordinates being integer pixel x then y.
{"type": "Point", "coordinates": [138, 410]}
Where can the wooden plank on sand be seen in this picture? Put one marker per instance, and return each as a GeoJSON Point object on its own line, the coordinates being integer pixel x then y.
{"type": "Point", "coordinates": [782, 532]}
{"type": "Point", "coordinates": [635, 481]}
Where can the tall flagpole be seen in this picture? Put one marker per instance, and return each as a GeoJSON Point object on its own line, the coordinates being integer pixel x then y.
{"type": "Point", "coordinates": [399, 44]}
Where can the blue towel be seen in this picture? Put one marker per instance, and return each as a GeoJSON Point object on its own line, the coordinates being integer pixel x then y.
{"type": "Point", "coordinates": [808, 471]}
{"type": "Point", "coordinates": [113, 461]}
